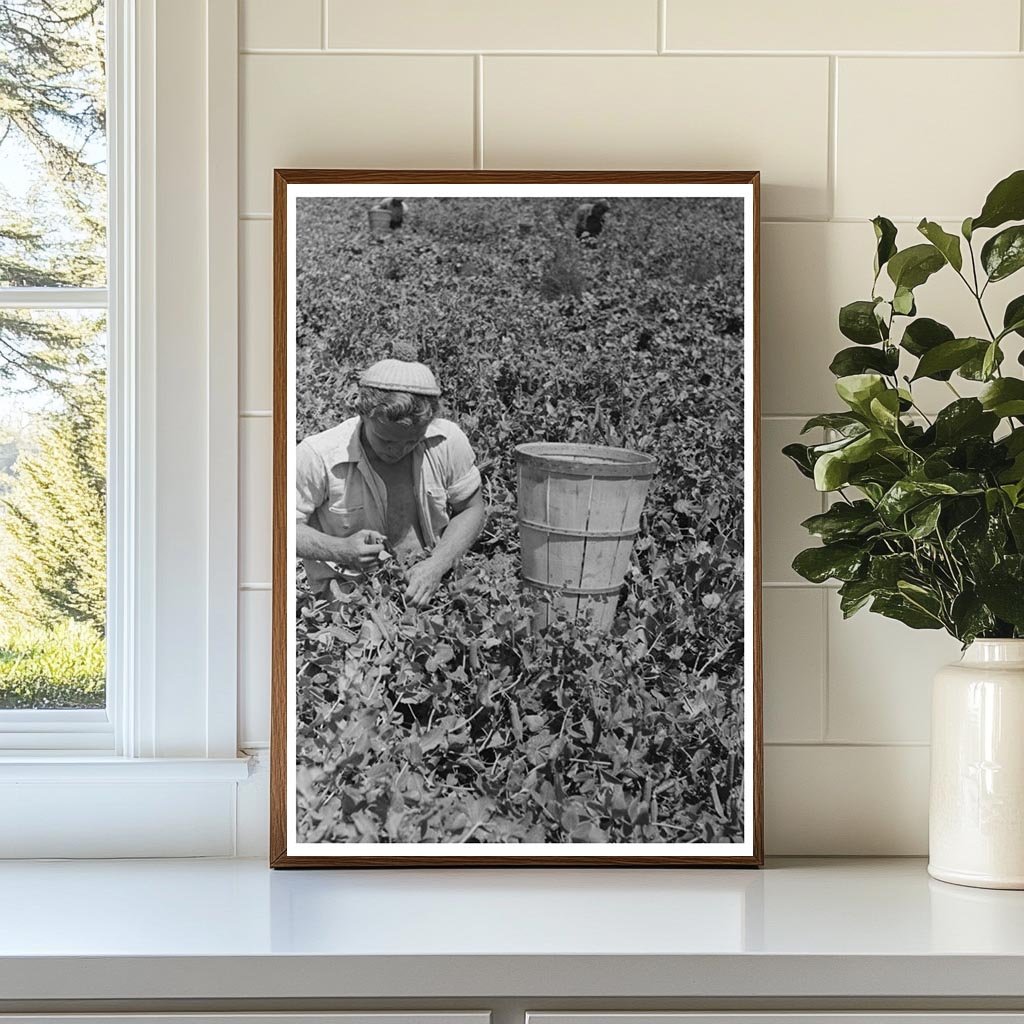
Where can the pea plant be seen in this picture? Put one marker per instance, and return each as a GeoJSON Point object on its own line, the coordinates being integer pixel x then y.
{"type": "Point", "coordinates": [456, 722]}
{"type": "Point", "coordinates": [927, 521]}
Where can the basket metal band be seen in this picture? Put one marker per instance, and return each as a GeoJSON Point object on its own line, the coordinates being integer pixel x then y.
{"type": "Point", "coordinates": [566, 531]}
{"type": "Point", "coordinates": [575, 591]}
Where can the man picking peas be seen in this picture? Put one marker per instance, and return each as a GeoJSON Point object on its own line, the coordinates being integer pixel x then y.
{"type": "Point", "coordinates": [396, 475]}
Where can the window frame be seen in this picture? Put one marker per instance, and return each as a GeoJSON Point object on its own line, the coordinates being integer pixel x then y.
{"type": "Point", "coordinates": [74, 729]}
{"type": "Point", "coordinates": [173, 468]}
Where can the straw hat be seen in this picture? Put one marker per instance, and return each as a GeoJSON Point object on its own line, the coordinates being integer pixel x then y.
{"type": "Point", "coordinates": [400, 375]}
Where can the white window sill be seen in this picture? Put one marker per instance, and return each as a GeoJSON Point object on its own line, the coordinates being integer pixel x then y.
{"type": "Point", "coordinates": [77, 806]}
{"type": "Point", "coordinates": [81, 767]}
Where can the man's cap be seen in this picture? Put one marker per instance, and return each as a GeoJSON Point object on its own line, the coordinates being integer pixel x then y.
{"type": "Point", "coordinates": [400, 375]}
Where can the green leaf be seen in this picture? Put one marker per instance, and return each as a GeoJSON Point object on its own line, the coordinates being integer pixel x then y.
{"type": "Point", "coordinates": [990, 360]}
{"type": "Point", "coordinates": [1013, 317]}
{"type": "Point", "coordinates": [857, 321]}
{"type": "Point", "coordinates": [842, 561]}
{"type": "Point", "coordinates": [885, 409]}
{"type": "Point", "coordinates": [1005, 202]}
{"type": "Point", "coordinates": [843, 521]}
{"type": "Point", "coordinates": [912, 267]}
{"type": "Point", "coordinates": [885, 237]}
{"type": "Point", "coordinates": [925, 334]}
{"type": "Point", "coordinates": [950, 355]}
{"type": "Point", "coordinates": [970, 617]}
{"type": "Point", "coordinates": [966, 417]}
{"type": "Point", "coordinates": [897, 607]}
{"type": "Point", "coordinates": [1004, 397]}
{"type": "Point", "coordinates": [1003, 254]}
{"type": "Point", "coordinates": [831, 471]}
{"type": "Point", "coordinates": [947, 244]}
{"type": "Point", "coordinates": [799, 455]}
{"type": "Point", "coordinates": [858, 389]}
{"type": "Point", "coordinates": [1005, 596]}
{"type": "Point", "coordinates": [903, 302]}
{"type": "Point", "coordinates": [849, 361]}
{"type": "Point", "coordinates": [974, 368]}
{"type": "Point", "coordinates": [855, 594]}
{"type": "Point", "coordinates": [841, 421]}
{"type": "Point", "coordinates": [887, 570]}
{"type": "Point", "coordinates": [906, 494]}
{"type": "Point", "coordinates": [925, 518]}
{"type": "Point", "coordinates": [965, 229]}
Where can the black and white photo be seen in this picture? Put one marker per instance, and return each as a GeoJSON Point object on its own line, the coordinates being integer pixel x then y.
{"type": "Point", "coordinates": [515, 555]}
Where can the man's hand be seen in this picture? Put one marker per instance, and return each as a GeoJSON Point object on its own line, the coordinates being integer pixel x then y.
{"type": "Point", "coordinates": [361, 550]}
{"type": "Point", "coordinates": [424, 578]}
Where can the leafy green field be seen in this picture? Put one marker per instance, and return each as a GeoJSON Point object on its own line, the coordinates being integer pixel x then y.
{"type": "Point", "coordinates": [60, 667]}
{"type": "Point", "coordinates": [455, 723]}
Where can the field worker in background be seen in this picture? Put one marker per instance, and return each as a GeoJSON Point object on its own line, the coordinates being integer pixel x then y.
{"type": "Point", "coordinates": [395, 475]}
{"type": "Point", "coordinates": [590, 218]}
{"type": "Point", "coordinates": [396, 207]}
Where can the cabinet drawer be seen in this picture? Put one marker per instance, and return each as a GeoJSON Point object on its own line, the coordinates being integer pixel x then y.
{"type": "Point", "coordinates": [788, 1017]}
{"type": "Point", "coordinates": [361, 1017]}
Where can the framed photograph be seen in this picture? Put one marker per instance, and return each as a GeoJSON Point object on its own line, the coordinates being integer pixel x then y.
{"type": "Point", "coordinates": [516, 614]}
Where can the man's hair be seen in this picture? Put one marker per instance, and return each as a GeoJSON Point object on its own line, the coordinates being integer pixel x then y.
{"type": "Point", "coordinates": [400, 407]}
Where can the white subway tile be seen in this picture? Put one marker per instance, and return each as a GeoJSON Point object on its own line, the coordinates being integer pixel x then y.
{"type": "Point", "coordinates": [269, 24]}
{"type": "Point", "coordinates": [868, 25]}
{"type": "Point", "coordinates": [356, 111]}
{"type": "Point", "coordinates": [846, 801]}
{"type": "Point", "coordinates": [254, 611]}
{"type": "Point", "coordinates": [683, 113]}
{"type": "Point", "coordinates": [809, 271]}
{"type": "Point", "coordinates": [508, 25]}
{"type": "Point", "coordinates": [255, 502]}
{"type": "Point", "coordinates": [787, 499]}
{"type": "Point", "coordinates": [793, 631]}
{"type": "Point", "coordinates": [926, 137]}
{"type": "Point", "coordinates": [255, 320]}
{"type": "Point", "coordinates": [880, 675]}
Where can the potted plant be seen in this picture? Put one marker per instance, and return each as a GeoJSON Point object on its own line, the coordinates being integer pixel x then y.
{"type": "Point", "coordinates": [927, 521]}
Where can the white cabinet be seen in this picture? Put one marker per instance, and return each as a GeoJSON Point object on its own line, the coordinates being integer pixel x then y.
{"type": "Point", "coordinates": [362, 1017]}
{"type": "Point", "coordinates": [785, 1017]}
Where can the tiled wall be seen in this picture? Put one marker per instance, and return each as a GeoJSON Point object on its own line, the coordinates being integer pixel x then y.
{"type": "Point", "coordinates": [906, 109]}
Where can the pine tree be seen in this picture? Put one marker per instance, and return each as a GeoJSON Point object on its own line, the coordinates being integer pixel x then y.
{"type": "Point", "coordinates": [52, 118]}
{"type": "Point", "coordinates": [53, 519]}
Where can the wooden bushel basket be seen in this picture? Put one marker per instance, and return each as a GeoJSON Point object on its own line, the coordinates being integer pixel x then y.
{"type": "Point", "coordinates": [380, 222]}
{"type": "Point", "coordinates": [579, 510]}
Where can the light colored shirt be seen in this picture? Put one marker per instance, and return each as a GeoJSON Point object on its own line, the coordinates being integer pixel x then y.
{"type": "Point", "coordinates": [338, 492]}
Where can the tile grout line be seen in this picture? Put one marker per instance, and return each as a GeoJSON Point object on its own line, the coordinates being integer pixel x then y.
{"type": "Point", "coordinates": [662, 41]}
{"type": "Point", "coordinates": [854, 744]}
{"type": "Point", "coordinates": [323, 24]}
{"type": "Point", "coordinates": [1020, 23]}
{"type": "Point", "coordinates": [258, 51]}
{"type": "Point", "coordinates": [912, 221]}
{"type": "Point", "coordinates": [825, 690]}
{"type": "Point", "coordinates": [478, 111]}
{"type": "Point", "coordinates": [833, 134]}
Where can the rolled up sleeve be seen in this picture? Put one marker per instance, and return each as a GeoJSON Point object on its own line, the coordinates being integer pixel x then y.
{"type": "Point", "coordinates": [310, 482]}
{"type": "Point", "coordinates": [463, 476]}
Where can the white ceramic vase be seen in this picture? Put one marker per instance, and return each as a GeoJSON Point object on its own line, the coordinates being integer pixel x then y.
{"type": "Point", "coordinates": [976, 814]}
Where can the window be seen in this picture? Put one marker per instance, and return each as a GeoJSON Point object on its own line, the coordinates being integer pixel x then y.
{"type": "Point", "coordinates": [53, 372]}
{"type": "Point", "coordinates": [155, 768]}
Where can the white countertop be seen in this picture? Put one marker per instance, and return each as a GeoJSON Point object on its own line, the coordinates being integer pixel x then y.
{"type": "Point", "coordinates": [234, 928]}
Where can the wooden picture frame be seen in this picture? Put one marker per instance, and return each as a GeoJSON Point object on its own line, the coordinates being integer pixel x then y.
{"type": "Point", "coordinates": [346, 246]}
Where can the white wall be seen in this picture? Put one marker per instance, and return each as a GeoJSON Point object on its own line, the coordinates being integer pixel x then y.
{"type": "Point", "coordinates": [905, 109]}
